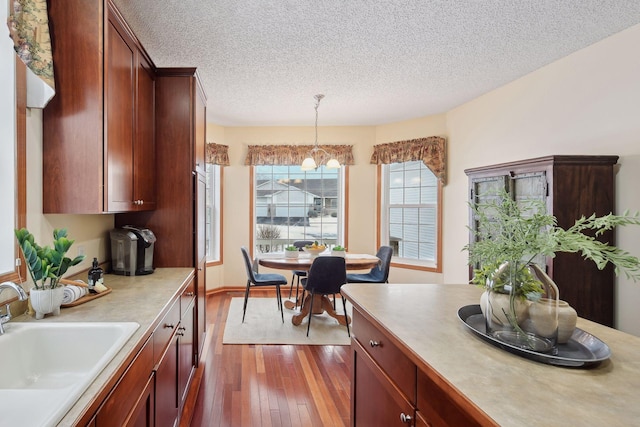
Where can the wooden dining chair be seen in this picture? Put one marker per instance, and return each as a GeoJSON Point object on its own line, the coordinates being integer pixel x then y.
{"type": "Point", "coordinates": [379, 273]}
{"type": "Point", "coordinates": [261, 279]}
{"type": "Point", "coordinates": [326, 276]}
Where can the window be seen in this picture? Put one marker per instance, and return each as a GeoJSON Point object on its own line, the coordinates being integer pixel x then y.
{"type": "Point", "coordinates": [213, 217]}
{"type": "Point", "coordinates": [290, 205]}
{"type": "Point", "coordinates": [410, 213]}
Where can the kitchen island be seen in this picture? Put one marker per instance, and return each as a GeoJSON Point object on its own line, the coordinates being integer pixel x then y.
{"type": "Point", "coordinates": [145, 300]}
{"type": "Point", "coordinates": [415, 361]}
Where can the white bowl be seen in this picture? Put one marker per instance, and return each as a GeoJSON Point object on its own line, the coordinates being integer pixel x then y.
{"type": "Point", "coordinates": [314, 252]}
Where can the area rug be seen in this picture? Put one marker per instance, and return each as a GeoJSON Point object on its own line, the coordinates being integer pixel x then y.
{"type": "Point", "coordinates": [263, 325]}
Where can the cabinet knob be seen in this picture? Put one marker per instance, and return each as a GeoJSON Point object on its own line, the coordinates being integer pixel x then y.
{"type": "Point", "coordinates": [406, 418]}
{"type": "Point", "coordinates": [373, 343]}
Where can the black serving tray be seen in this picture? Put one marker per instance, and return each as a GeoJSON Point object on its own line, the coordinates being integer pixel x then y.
{"type": "Point", "coordinates": [582, 349]}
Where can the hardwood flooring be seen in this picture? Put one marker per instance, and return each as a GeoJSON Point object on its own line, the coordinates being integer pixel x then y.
{"type": "Point", "coordinates": [270, 385]}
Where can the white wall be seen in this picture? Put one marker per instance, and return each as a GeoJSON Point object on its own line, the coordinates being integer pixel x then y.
{"type": "Point", "coordinates": [586, 103]}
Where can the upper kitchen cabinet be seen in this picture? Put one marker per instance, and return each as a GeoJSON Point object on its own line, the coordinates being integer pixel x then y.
{"type": "Point", "coordinates": [99, 128]}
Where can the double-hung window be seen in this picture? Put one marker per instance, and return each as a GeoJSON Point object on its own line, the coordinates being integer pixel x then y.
{"type": "Point", "coordinates": [410, 204]}
{"type": "Point", "coordinates": [292, 205]}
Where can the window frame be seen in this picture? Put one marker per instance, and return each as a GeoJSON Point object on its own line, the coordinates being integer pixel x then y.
{"type": "Point", "coordinates": [383, 226]}
{"type": "Point", "coordinates": [343, 191]}
{"type": "Point", "coordinates": [217, 196]}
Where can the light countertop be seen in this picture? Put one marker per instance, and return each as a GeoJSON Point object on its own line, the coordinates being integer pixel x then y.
{"type": "Point", "coordinates": [141, 299]}
{"type": "Point", "coordinates": [513, 391]}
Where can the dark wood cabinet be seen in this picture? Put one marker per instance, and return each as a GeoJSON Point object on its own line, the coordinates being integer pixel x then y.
{"type": "Point", "coordinates": [131, 403]}
{"type": "Point", "coordinates": [98, 131]}
{"type": "Point", "coordinates": [178, 220]}
{"type": "Point", "coordinates": [571, 187]}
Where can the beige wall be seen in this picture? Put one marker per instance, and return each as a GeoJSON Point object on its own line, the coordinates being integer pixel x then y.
{"type": "Point", "coordinates": [586, 103]}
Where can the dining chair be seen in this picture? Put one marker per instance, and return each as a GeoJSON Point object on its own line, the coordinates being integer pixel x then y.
{"type": "Point", "coordinates": [325, 277]}
{"type": "Point", "coordinates": [379, 273]}
{"type": "Point", "coordinates": [298, 274]}
{"type": "Point", "coordinates": [261, 279]}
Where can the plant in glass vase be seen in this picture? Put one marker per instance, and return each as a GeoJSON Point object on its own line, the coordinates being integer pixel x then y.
{"type": "Point", "coordinates": [46, 266]}
{"type": "Point", "coordinates": [511, 236]}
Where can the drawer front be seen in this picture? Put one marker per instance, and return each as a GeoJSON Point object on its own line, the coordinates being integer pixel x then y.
{"type": "Point", "coordinates": [187, 296]}
{"type": "Point", "coordinates": [443, 409]}
{"type": "Point", "coordinates": [164, 331]}
{"type": "Point", "coordinates": [393, 362]}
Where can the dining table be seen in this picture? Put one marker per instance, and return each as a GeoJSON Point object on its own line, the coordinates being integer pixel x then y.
{"type": "Point", "coordinates": [353, 261]}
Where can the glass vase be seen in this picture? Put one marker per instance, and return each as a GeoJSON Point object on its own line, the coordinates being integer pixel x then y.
{"type": "Point", "coordinates": [520, 306]}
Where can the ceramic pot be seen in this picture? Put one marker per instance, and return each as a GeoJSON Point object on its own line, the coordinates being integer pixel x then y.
{"type": "Point", "coordinates": [567, 318]}
{"type": "Point", "coordinates": [499, 304]}
{"type": "Point", "coordinates": [291, 254]}
{"type": "Point", "coordinates": [46, 301]}
{"type": "Point", "coordinates": [544, 317]}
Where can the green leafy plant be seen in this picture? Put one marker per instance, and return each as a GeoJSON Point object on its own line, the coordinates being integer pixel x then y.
{"type": "Point", "coordinates": [519, 232]}
{"type": "Point", "coordinates": [46, 265]}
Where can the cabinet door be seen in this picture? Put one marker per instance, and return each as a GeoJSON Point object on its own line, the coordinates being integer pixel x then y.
{"type": "Point", "coordinates": [201, 257]}
{"type": "Point", "coordinates": [119, 117]}
{"type": "Point", "coordinates": [167, 386]}
{"type": "Point", "coordinates": [144, 155]}
{"type": "Point", "coordinates": [186, 351]}
{"type": "Point", "coordinates": [375, 401]}
{"type": "Point", "coordinates": [200, 122]}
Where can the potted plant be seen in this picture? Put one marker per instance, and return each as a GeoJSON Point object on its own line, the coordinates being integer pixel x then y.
{"type": "Point", "coordinates": [338, 250]}
{"type": "Point", "coordinates": [512, 235]}
{"type": "Point", "coordinates": [46, 266]}
{"type": "Point", "coordinates": [291, 251]}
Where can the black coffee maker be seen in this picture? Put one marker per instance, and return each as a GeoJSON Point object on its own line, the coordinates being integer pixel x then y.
{"type": "Point", "coordinates": [132, 251]}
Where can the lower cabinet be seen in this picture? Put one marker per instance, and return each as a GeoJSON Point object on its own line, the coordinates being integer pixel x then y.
{"type": "Point", "coordinates": [153, 389]}
{"type": "Point", "coordinates": [387, 388]}
{"type": "Point", "coordinates": [131, 401]}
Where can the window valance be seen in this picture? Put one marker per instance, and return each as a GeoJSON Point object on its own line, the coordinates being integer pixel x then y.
{"type": "Point", "coordinates": [431, 150]}
{"type": "Point", "coordinates": [291, 155]}
{"type": "Point", "coordinates": [217, 154]}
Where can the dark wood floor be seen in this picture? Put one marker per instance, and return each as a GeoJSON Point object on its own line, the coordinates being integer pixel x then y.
{"type": "Point", "coordinates": [270, 385]}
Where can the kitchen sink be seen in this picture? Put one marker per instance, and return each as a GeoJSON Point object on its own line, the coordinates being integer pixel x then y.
{"type": "Point", "coordinates": [46, 366]}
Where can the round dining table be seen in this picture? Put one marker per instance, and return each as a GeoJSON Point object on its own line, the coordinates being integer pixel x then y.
{"type": "Point", "coordinates": [303, 262]}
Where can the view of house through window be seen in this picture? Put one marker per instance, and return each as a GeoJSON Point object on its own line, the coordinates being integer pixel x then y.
{"type": "Point", "coordinates": [410, 212]}
{"type": "Point", "coordinates": [292, 205]}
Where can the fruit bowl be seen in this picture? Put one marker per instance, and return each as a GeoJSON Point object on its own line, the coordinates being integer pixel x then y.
{"type": "Point", "coordinates": [314, 251]}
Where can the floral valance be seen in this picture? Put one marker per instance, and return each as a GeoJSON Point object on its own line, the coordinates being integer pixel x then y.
{"type": "Point", "coordinates": [290, 155]}
{"type": "Point", "coordinates": [217, 154]}
{"type": "Point", "coordinates": [29, 28]}
{"type": "Point", "coordinates": [431, 151]}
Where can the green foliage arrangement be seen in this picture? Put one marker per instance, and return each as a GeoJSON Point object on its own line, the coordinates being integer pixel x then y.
{"type": "Point", "coordinates": [518, 232]}
{"type": "Point", "coordinates": [46, 265]}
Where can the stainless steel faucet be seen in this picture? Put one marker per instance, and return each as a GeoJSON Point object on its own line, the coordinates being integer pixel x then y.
{"type": "Point", "coordinates": [22, 296]}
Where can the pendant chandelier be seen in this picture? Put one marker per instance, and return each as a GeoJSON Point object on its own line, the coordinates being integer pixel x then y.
{"type": "Point", "coordinates": [309, 163]}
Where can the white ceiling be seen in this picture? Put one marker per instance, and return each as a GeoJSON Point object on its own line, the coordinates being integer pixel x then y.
{"type": "Point", "coordinates": [376, 61]}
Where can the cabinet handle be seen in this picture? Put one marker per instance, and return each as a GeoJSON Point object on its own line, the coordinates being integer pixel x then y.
{"type": "Point", "coordinates": [169, 325]}
{"type": "Point", "coordinates": [406, 418]}
{"type": "Point", "coordinates": [373, 343]}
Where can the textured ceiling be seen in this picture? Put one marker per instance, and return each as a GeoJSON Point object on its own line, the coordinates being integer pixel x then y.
{"type": "Point", "coordinates": [377, 61]}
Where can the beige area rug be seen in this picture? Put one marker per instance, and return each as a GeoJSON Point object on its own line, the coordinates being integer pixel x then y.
{"type": "Point", "coordinates": [263, 325]}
